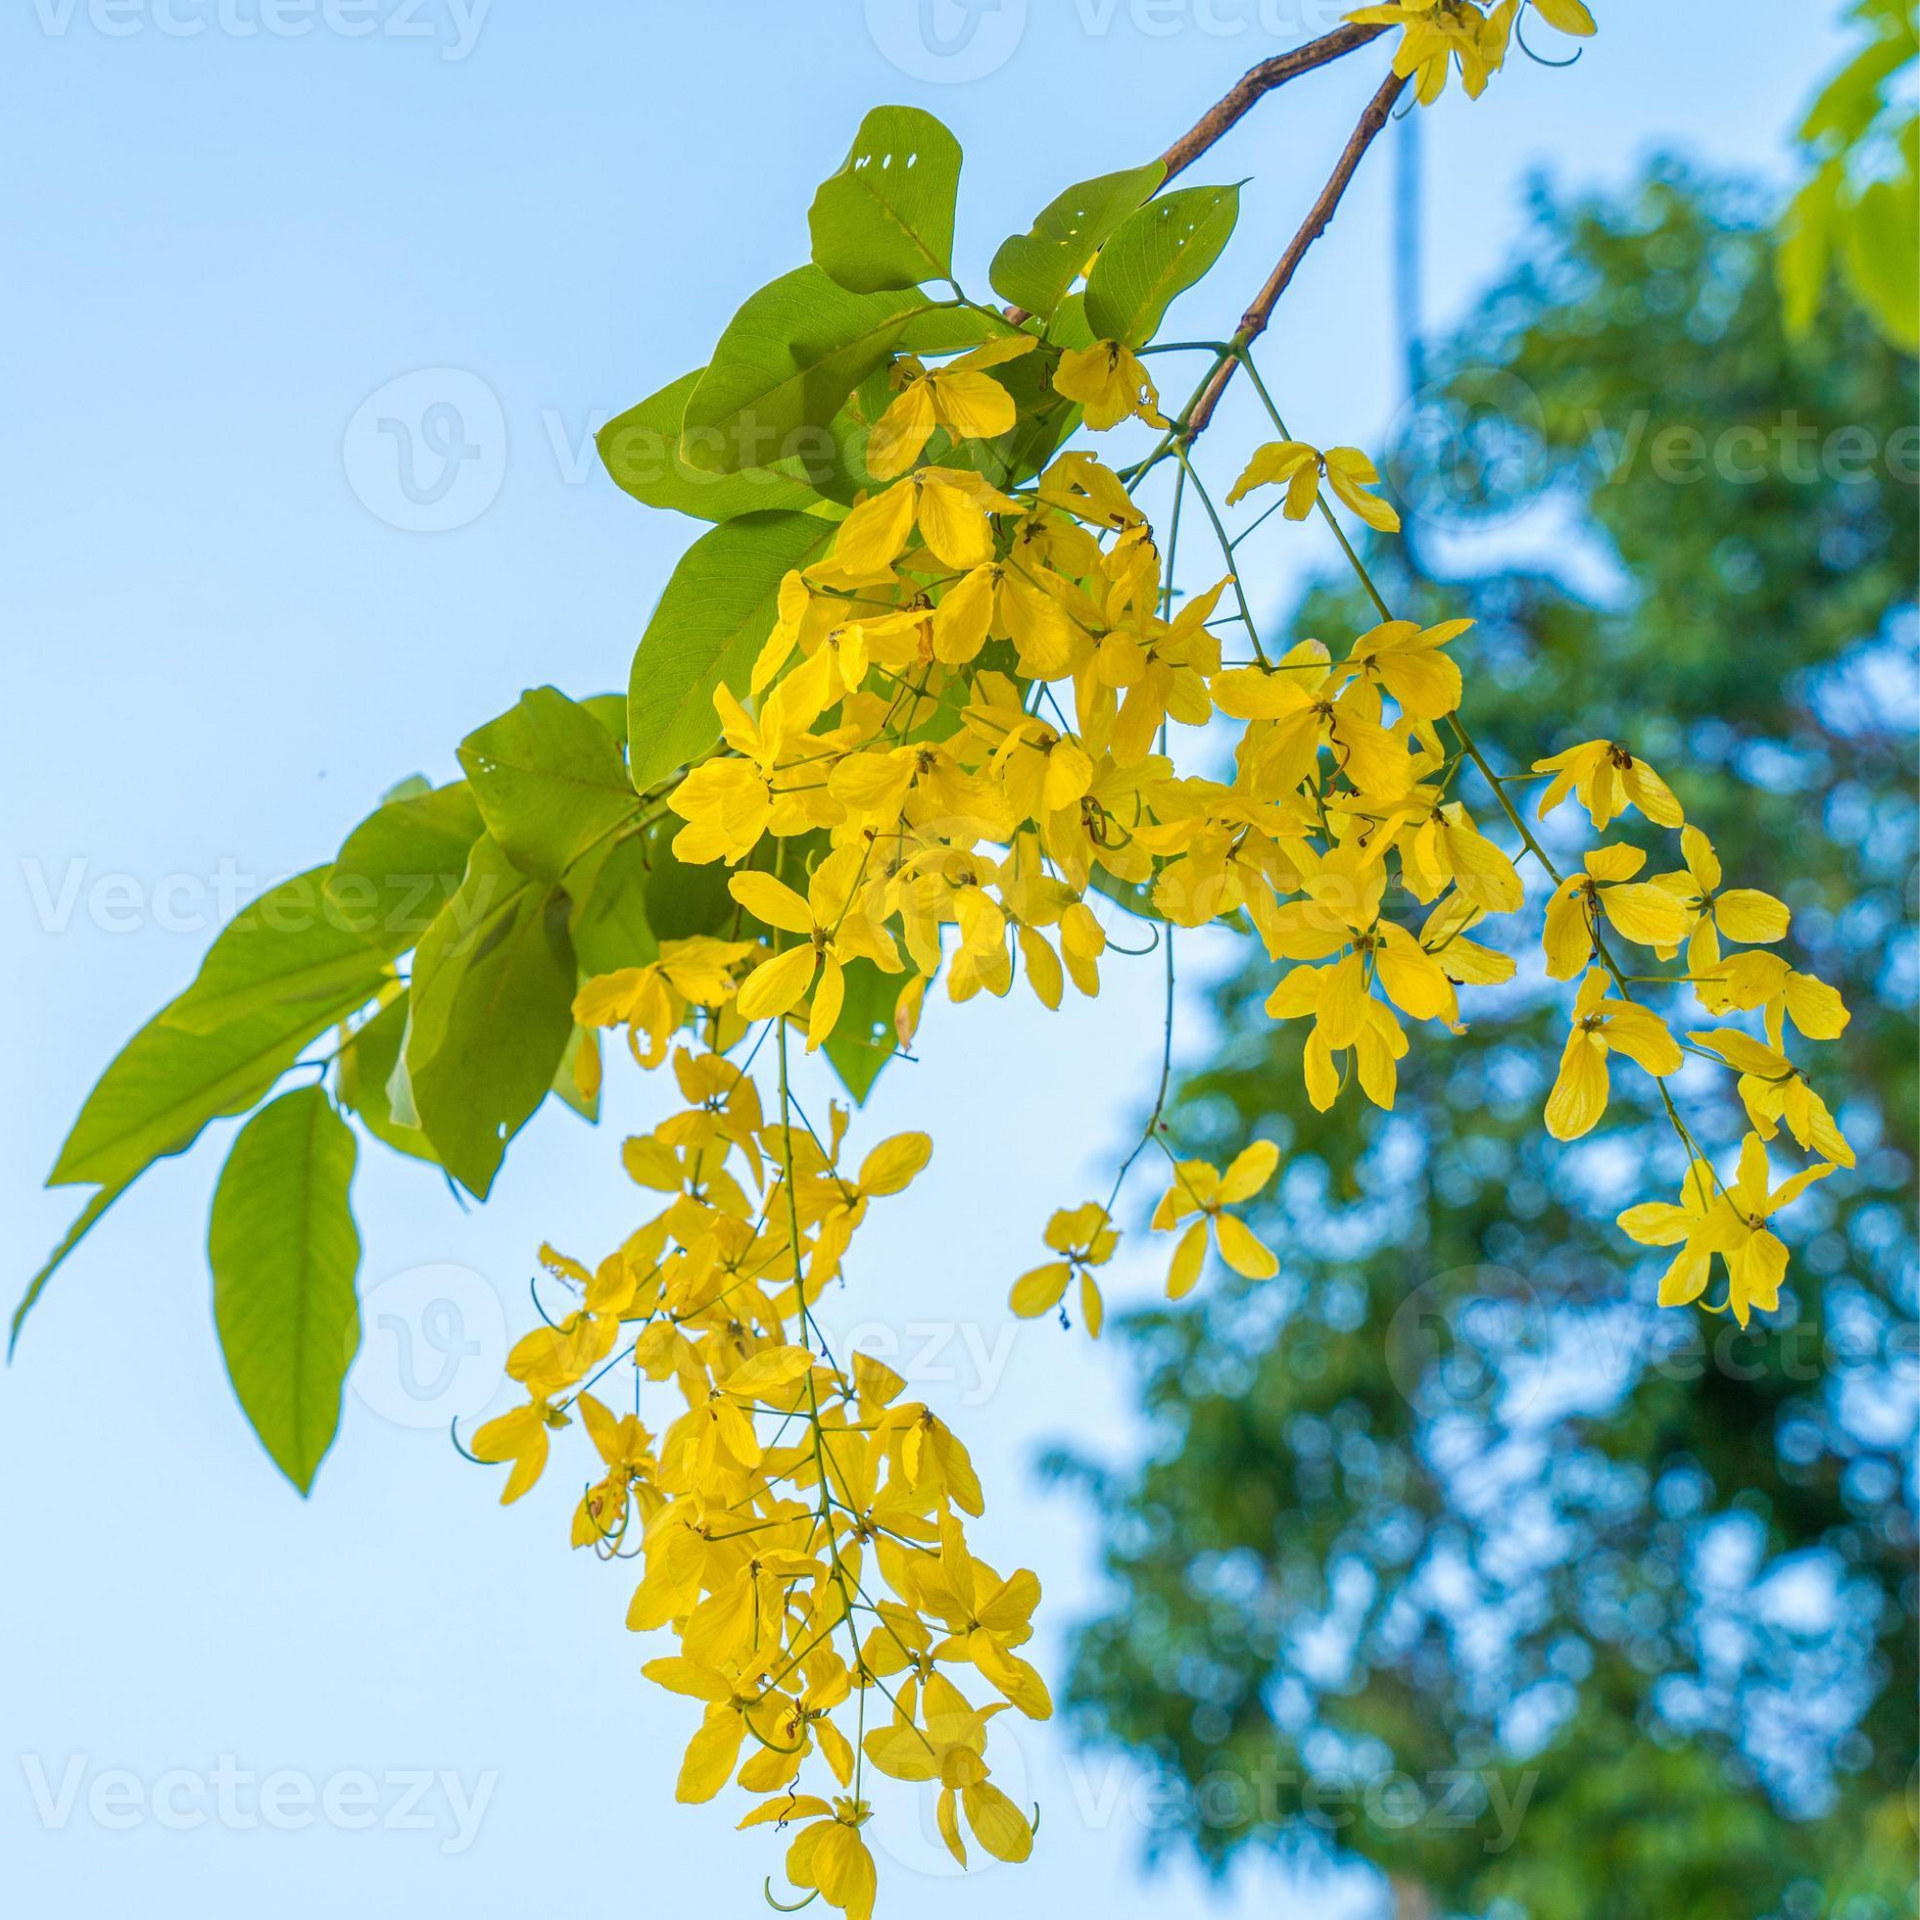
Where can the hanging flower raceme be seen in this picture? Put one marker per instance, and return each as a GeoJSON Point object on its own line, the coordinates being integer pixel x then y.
{"type": "Point", "coordinates": [986, 725]}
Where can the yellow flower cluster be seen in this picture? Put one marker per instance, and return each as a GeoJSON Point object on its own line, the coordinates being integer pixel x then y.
{"type": "Point", "coordinates": [1437, 34]}
{"type": "Point", "coordinates": [802, 1527]}
{"type": "Point", "coordinates": [985, 718]}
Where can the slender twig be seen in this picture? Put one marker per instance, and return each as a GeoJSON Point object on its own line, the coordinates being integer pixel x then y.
{"type": "Point", "coordinates": [1254, 322]}
{"type": "Point", "coordinates": [1259, 81]}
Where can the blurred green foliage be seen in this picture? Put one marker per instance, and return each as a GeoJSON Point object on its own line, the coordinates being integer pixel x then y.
{"type": "Point", "coordinates": [1627, 1597]}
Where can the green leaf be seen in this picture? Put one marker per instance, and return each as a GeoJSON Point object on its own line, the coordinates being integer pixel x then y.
{"type": "Point", "coordinates": [1035, 269]}
{"type": "Point", "coordinates": [885, 220]}
{"type": "Point", "coordinates": [863, 1038]}
{"type": "Point", "coordinates": [609, 926]}
{"type": "Point", "coordinates": [1156, 254]}
{"type": "Point", "coordinates": [1849, 103]}
{"type": "Point", "coordinates": [289, 949]}
{"type": "Point", "coordinates": [89, 1217]}
{"type": "Point", "coordinates": [549, 782]}
{"type": "Point", "coordinates": [1881, 254]}
{"type": "Point", "coordinates": [1806, 246]}
{"type": "Point", "coordinates": [707, 631]}
{"type": "Point", "coordinates": [610, 709]}
{"type": "Point", "coordinates": [166, 1084]}
{"type": "Point", "coordinates": [366, 1066]}
{"type": "Point", "coordinates": [493, 983]}
{"type": "Point", "coordinates": [401, 864]}
{"type": "Point", "coordinates": [285, 1251]}
{"type": "Point", "coordinates": [683, 901]}
{"type": "Point", "coordinates": [641, 451]}
{"type": "Point", "coordinates": [784, 368]}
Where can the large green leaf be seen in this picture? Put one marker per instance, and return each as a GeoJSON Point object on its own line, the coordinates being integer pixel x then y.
{"type": "Point", "coordinates": [784, 368]}
{"type": "Point", "coordinates": [707, 631]}
{"type": "Point", "coordinates": [165, 1084]}
{"type": "Point", "coordinates": [1881, 254]}
{"type": "Point", "coordinates": [609, 925]}
{"type": "Point", "coordinates": [289, 949]}
{"type": "Point", "coordinates": [682, 901]}
{"type": "Point", "coordinates": [549, 781]}
{"type": "Point", "coordinates": [401, 864]}
{"type": "Point", "coordinates": [885, 220]}
{"type": "Point", "coordinates": [88, 1218]}
{"type": "Point", "coordinates": [1035, 269]}
{"type": "Point", "coordinates": [492, 1001]}
{"type": "Point", "coordinates": [641, 451]}
{"type": "Point", "coordinates": [284, 1252]}
{"type": "Point", "coordinates": [366, 1066]}
{"type": "Point", "coordinates": [1157, 253]}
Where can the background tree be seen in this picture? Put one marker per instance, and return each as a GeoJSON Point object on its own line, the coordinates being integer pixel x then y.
{"type": "Point", "coordinates": [1452, 1492]}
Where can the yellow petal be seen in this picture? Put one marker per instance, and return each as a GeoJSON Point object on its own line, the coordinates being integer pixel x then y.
{"type": "Point", "coordinates": [1243, 1250]}
{"type": "Point", "coordinates": [1757, 918]}
{"type": "Point", "coordinates": [1039, 1292]}
{"type": "Point", "coordinates": [997, 1823]}
{"type": "Point", "coordinates": [771, 902]}
{"type": "Point", "coordinates": [711, 1754]}
{"type": "Point", "coordinates": [828, 997]}
{"type": "Point", "coordinates": [901, 432]}
{"type": "Point", "coordinates": [1646, 914]}
{"type": "Point", "coordinates": [874, 534]}
{"type": "Point", "coordinates": [1252, 1168]}
{"type": "Point", "coordinates": [777, 985]}
{"type": "Point", "coordinates": [973, 407]}
{"type": "Point", "coordinates": [1579, 1095]}
{"type": "Point", "coordinates": [1188, 1258]}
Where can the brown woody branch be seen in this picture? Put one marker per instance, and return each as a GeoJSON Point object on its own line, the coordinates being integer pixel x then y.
{"type": "Point", "coordinates": [1254, 321]}
{"type": "Point", "coordinates": [1258, 81]}
{"type": "Point", "coordinates": [1227, 113]}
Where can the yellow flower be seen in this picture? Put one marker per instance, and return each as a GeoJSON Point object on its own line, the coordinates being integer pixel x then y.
{"type": "Point", "coordinates": [1004, 599]}
{"type": "Point", "coordinates": [1773, 1089]}
{"type": "Point", "coordinates": [656, 998]}
{"type": "Point", "coordinates": [1201, 1188]}
{"type": "Point", "coordinates": [1298, 467]}
{"type": "Point", "coordinates": [833, 929]}
{"type": "Point", "coordinates": [730, 801]}
{"type": "Point", "coordinates": [1086, 1236]}
{"type": "Point", "coordinates": [1435, 33]}
{"type": "Point", "coordinates": [829, 1853]}
{"type": "Point", "coordinates": [1608, 779]}
{"type": "Point", "coordinates": [1447, 846]}
{"type": "Point", "coordinates": [627, 1450]}
{"type": "Point", "coordinates": [1602, 1026]}
{"type": "Point", "coordinates": [1733, 1224]}
{"type": "Point", "coordinates": [1748, 980]}
{"type": "Point", "coordinates": [958, 397]}
{"type": "Point", "coordinates": [1638, 910]}
{"type": "Point", "coordinates": [1295, 716]}
{"type": "Point", "coordinates": [1405, 661]}
{"type": "Point", "coordinates": [519, 1436]}
{"type": "Point", "coordinates": [1740, 913]}
{"type": "Point", "coordinates": [950, 1748]}
{"type": "Point", "coordinates": [950, 506]}
{"type": "Point", "coordinates": [1108, 380]}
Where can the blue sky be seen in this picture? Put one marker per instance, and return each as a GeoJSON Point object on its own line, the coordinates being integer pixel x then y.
{"type": "Point", "coordinates": [235, 225]}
